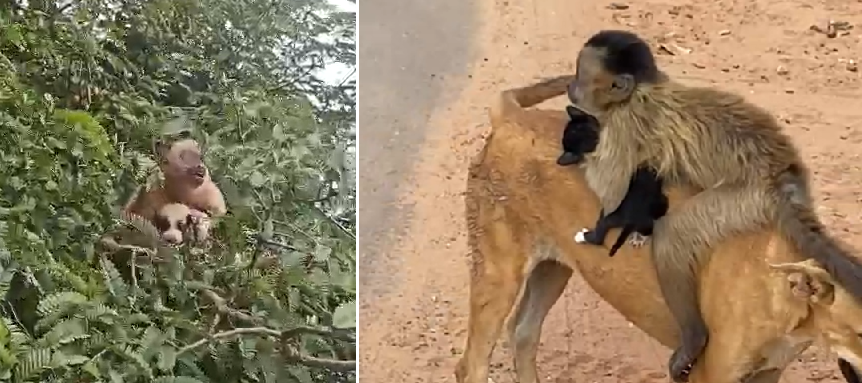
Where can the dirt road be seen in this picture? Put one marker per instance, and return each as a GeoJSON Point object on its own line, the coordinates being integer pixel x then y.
{"type": "Point", "coordinates": [414, 283]}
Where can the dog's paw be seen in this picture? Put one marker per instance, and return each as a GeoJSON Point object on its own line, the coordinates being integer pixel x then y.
{"type": "Point", "coordinates": [581, 236]}
{"type": "Point", "coordinates": [638, 239]}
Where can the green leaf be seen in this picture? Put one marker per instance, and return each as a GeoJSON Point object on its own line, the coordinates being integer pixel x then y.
{"type": "Point", "coordinates": [177, 125]}
{"type": "Point", "coordinates": [167, 358]}
{"type": "Point", "coordinates": [345, 315]}
{"type": "Point", "coordinates": [322, 253]}
{"type": "Point", "coordinates": [91, 368]}
{"type": "Point", "coordinates": [278, 133]}
{"type": "Point", "coordinates": [14, 36]}
{"type": "Point", "coordinates": [257, 179]}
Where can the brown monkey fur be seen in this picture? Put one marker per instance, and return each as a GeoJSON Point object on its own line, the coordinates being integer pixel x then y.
{"type": "Point", "coordinates": [186, 181]}
{"type": "Point", "coordinates": [748, 171]}
{"type": "Point", "coordinates": [520, 208]}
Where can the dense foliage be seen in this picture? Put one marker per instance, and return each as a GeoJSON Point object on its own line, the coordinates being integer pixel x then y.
{"type": "Point", "coordinates": [85, 88]}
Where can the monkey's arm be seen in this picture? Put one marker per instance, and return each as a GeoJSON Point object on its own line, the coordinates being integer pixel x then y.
{"type": "Point", "coordinates": [215, 204]}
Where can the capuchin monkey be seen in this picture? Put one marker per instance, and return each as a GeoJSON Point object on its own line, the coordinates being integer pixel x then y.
{"type": "Point", "coordinates": [749, 173]}
{"type": "Point", "coordinates": [644, 201]}
{"type": "Point", "coordinates": [186, 181]}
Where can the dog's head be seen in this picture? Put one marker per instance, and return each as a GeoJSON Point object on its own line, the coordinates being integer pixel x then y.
{"type": "Point", "coordinates": [173, 221]}
{"type": "Point", "coordinates": [834, 316]}
{"type": "Point", "coordinates": [182, 161]}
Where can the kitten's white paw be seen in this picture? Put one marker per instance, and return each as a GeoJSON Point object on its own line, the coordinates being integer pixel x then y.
{"type": "Point", "coordinates": [580, 237]}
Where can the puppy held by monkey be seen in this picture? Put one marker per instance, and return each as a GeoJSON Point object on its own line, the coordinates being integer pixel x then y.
{"type": "Point", "coordinates": [178, 223]}
{"type": "Point", "coordinates": [749, 172]}
{"type": "Point", "coordinates": [644, 202]}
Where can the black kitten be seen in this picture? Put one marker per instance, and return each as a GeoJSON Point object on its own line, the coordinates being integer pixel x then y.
{"type": "Point", "coordinates": [580, 137]}
{"type": "Point", "coordinates": [643, 204]}
{"type": "Point", "coordinates": [644, 201]}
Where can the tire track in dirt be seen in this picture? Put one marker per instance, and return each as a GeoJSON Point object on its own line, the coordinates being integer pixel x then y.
{"type": "Point", "coordinates": [416, 334]}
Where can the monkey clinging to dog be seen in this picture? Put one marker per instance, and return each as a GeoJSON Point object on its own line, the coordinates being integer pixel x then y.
{"type": "Point", "coordinates": [749, 173]}
{"type": "Point", "coordinates": [644, 201]}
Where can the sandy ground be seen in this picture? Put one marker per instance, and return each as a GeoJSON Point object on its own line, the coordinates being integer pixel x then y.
{"type": "Point", "coordinates": [413, 158]}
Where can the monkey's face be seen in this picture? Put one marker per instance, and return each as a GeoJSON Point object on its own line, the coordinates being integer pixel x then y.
{"type": "Point", "coordinates": [595, 88]}
{"type": "Point", "coordinates": [173, 221]}
{"type": "Point", "coordinates": [182, 161]}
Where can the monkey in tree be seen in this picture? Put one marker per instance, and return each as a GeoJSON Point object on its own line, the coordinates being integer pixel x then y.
{"type": "Point", "coordinates": [186, 181]}
{"type": "Point", "coordinates": [749, 173]}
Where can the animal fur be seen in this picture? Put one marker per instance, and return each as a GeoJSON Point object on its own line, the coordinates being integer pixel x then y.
{"type": "Point", "coordinates": [644, 201]}
{"type": "Point", "coordinates": [749, 172]}
{"type": "Point", "coordinates": [580, 136]}
{"type": "Point", "coordinates": [519, 205]}
{"type": "Point", "coordinates": [643, 204]}
{"type": "Point", "coordinates": [177, 223]}
{"type": "Point", "coordinates": [186, 181]}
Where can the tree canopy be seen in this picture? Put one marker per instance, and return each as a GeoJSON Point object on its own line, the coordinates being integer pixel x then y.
{"type": "Point", "coordinates": [85, 88]}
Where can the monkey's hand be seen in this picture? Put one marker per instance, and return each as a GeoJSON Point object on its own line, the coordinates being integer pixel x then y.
{"type": "Point", "coordinates": [200, 225]}
{"type": "Point", "coordinates": [638, 239]}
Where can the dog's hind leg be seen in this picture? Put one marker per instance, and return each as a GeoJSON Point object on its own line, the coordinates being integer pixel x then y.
{"type": "Point", "coordinates": [544, 287]}
{"type": "Point", "coordinates": [498, 269]}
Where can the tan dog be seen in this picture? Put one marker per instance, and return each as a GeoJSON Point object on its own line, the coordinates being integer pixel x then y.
{"type": "Point", "coordinates": [763, 305]}
{"type": "Point", "coordinates": [186, 181]}
{"type": "Point", "coordinates": [177, 223]}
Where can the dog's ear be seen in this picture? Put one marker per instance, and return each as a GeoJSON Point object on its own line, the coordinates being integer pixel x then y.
{"type": "Point", "coordinates": [573, 112]}
{"type": "Point", "coordinates": [808, 281]}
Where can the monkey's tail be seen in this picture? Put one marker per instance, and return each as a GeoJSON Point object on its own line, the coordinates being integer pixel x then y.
{"type": "Point", "coordinates": [513, 101]}
{"type": "Point", "coordinates": [624, 234]}
{"type": "Point", "coordinates": [801, 227]}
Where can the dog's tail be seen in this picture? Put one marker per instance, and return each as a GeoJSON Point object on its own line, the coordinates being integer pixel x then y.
{"type": "Point", "coordinates": [511, 102]}
{"type": "Point", "coordinates": [624, 234]}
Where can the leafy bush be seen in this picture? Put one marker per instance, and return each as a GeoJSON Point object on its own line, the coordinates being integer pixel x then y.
{"type": "Point", "coordinates": [85, 87]}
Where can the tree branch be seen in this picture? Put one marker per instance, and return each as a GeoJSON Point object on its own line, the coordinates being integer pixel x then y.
{"type": "Point", "coordinates": [336, 223]}
{"type": "Point", "coordinates": [223, 308]}
{"type": "Point", "coordinates": [228, 334]}
{"type": "Point", "coordinates": [330, 364]}
{"type": "Point", "coordinates": [306, 360]}
{"type": "Point", "coordinates": [334, 334]}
